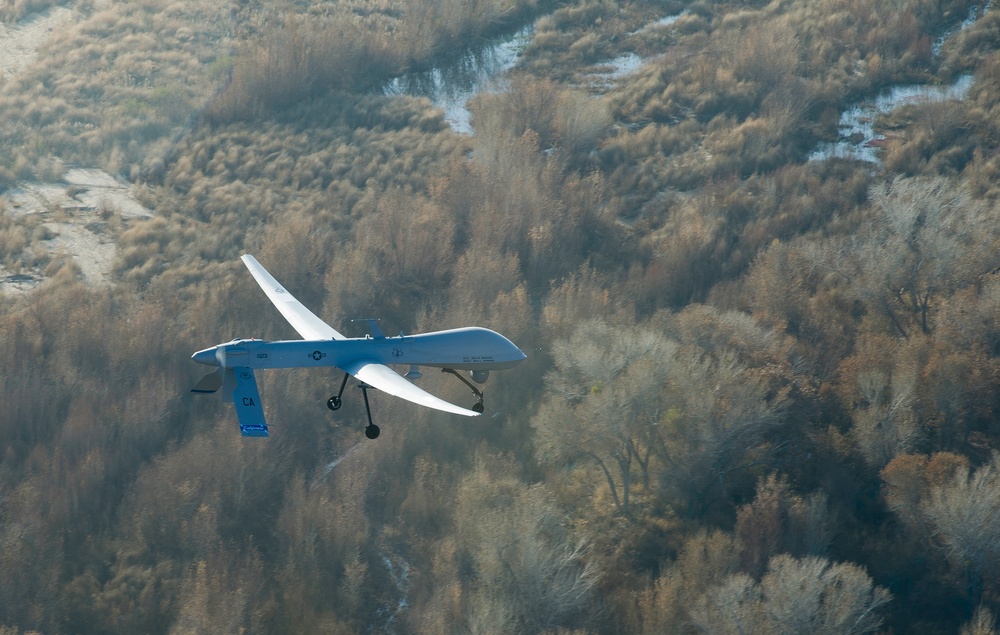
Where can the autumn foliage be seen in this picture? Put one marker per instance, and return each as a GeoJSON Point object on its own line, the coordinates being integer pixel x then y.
{"type": "Point", "coordinates": [761, 393]}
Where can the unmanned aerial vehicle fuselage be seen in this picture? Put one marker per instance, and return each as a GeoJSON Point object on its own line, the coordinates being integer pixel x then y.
{"type": "Point", "coordinates": [473, 349]}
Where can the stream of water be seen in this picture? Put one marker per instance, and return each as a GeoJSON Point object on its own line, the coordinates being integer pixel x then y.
{"type": "Point", "coordinates": [858, 138]}
{"type": "Point", "coordinates": [450, 87]}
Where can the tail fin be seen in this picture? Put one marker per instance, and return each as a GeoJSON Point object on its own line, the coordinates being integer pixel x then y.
{"type": "Point", "coordinates": [246, 398]}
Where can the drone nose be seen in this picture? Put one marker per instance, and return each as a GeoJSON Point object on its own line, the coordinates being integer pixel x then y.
{"type": "Point", "coordinates": [206, 356]}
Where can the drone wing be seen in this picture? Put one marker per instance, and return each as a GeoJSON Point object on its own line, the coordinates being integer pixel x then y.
{"type": "Point", "coordinates": [311, 327]}
{"type": "Point", "coordinates": [308, 325]}
{"type": "Point", "coordinates": [389, 381]}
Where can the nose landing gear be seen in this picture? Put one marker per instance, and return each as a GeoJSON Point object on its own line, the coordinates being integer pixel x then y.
{"type": "Point", "coordinates": [478, 406]}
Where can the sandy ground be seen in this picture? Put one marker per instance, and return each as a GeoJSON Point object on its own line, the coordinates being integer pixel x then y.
{"type": "Point", "coordinates": [78, 209]}
{"type": "Point", "coordinates": [77, 212]}
{"type": "Point", "coordinates": [19, 43]}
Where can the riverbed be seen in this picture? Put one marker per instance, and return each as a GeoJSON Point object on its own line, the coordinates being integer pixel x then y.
{"type": "Point", "coordinates": [858, 138]}
{"type": "Point", "coordinates": [451, 86]}
{"type": "Point", "coordinates": [478, 69]}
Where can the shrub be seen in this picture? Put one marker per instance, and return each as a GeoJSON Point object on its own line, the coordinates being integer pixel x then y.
{"type": "Point", "coordinates": [299, 60]}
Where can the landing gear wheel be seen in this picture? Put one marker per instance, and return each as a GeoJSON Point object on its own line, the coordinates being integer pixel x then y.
{"type": "Point", "coordinates": [335, 402]}
{"type": "Point", "coordinates": [372, 431]}
{"type": "Point", "coordinates": [478, 408]}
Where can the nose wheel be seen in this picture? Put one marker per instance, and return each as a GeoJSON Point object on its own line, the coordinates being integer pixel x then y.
{"type": "Point", "coordinates": [478, 406]}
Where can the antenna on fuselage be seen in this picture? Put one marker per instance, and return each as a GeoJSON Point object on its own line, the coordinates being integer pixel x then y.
{"type": "Point", "coordinates": [372, 326]}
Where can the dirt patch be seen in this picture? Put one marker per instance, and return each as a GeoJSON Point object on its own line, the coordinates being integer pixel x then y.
{"type": "Point", "coordinates": [83, 211]}
{"type": "Point", "coordinates": [81, 214]}
{"type": "Point", "coordinates": [19, 43]}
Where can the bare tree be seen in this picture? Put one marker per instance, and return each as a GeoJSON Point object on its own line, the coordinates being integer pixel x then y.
{"type": "Point", "coordinates": [888, 426]}
{"type": "Point", "coordinates": [733, 607]}
{"type": "Point", "coordinates": [581, 121]}
{"type": "Point", "coordinates": [531, 575]}
{"type": "Point", "coordinates": [406, 243]}
{"type": "Point", "coordinates": [881, 386]}
{"type": "Point", "coordinates": [928, 237]}
{"type": "Point", "coordinates": [721, 411]}
{"type": "Point", "coordinates": [983, 623]}
{"type": "Point", "coordinates": [624, 397]}
{"type": "Point", "coordinates": [606, 402]}
{"type": "Point", "coordinates": [780, 521]}
{"type": "Point", "coordinates": [795, 596]}
{"type": "Point", "coordinates": [908, 480]}
{"type": "Point", "coordinates": [704, 560]}
{"type": "Point", "coordinates": [219, 596]}
{"type": "Point", "coordinates": [814, 596]}
{"type": "Point", "coordinates": [965, 515]}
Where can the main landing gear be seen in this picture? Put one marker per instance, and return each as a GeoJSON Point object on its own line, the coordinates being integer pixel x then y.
{"type": "Point", "coordinates": [371, 430]}
{"type": "Point", "coordinates": [335, 402]}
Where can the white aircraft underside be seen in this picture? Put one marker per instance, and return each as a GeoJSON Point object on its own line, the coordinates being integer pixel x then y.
{"type": "Point", "coordinates": [474, 349]}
